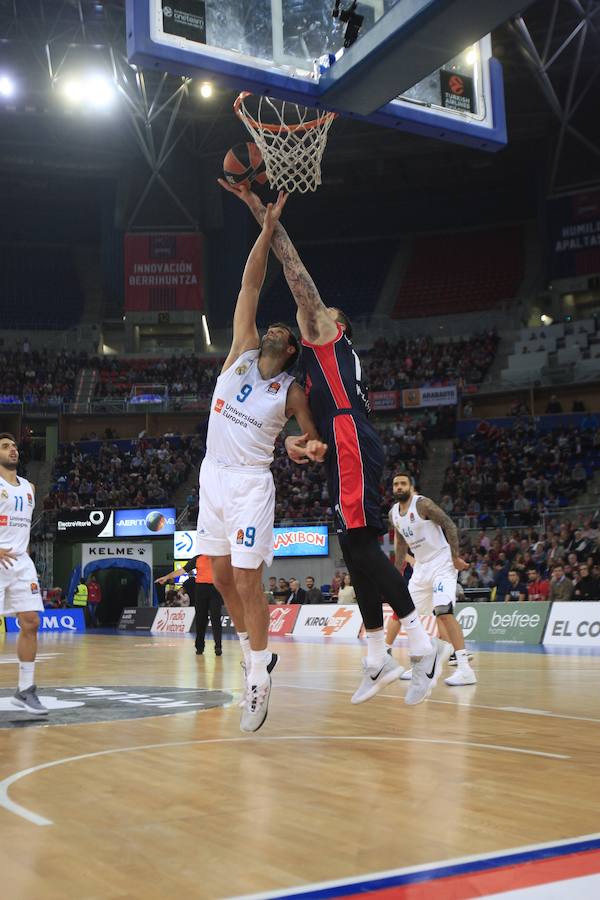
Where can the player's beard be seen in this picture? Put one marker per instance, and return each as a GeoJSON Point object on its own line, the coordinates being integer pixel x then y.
{"type": "Point", "coordinates": [402, 496]}
{"type": "Point", "coordinates": [11, 464]}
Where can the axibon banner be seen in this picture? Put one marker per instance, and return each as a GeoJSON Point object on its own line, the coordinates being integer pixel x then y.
{"type": "Point", "coordinates": [574, 625]}
{"type": "Point", "coordinates": [503, 623]}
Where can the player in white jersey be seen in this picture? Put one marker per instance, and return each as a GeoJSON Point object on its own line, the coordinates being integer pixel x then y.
{"type": "Point", "coordinates": [426, 538]}
{"type": "Point", "coordinates": [19, 587]}
{"type": "Point", "coordinates": [253, 398]}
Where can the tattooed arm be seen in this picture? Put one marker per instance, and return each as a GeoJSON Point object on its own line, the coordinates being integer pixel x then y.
{"type": "Point", "coordinates": [427, 509]}
{"type": "Point", "coordinates": [315, 323]}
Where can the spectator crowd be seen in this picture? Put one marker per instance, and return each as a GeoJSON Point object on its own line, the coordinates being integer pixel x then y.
{"type": "Point", "coordinates": [146, 472]}
{"type": "Point", "coordinates": [40, 376]}
{"type": "Point", "coordinates": [561, 563]}
{"type": "Point", "coordinates": [393, 365]}
{"type": "Point", "coordinates": [513, 476]}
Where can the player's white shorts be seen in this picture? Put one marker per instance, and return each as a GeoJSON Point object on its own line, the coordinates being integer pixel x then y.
{"type": "Point", "coordinates": [236, 511]}
{"type": "Point", "coordinates": [20, 587]}
{"type": "Point", "coordinates": [433, 584]}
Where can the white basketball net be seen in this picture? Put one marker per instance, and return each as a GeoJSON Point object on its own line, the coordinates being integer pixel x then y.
{"type": "Point", "coordinates": [291, 139]}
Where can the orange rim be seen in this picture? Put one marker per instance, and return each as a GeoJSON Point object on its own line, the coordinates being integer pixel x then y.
{"type": "Point", "coordinates": [263, 126]}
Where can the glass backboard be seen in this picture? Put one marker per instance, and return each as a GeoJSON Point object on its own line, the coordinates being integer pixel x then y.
{"type": "Point", "coordinates": [381, 60]}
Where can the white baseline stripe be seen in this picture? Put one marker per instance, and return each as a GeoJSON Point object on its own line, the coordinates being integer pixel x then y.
{"type": "Point", "coordinates": [35, 819]}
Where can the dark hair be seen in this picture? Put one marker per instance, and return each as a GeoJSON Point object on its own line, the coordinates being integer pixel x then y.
{"type": "Point", "coordinates": [6, 435]}
{"type": "Point", "coordinates": [404, 473]}
{"type": "Point", "coordinates": [292, 340]}
{"type": "Point", "coordinates": [516, 571]}
{"type": "Point", "coordinates": [343, 319]}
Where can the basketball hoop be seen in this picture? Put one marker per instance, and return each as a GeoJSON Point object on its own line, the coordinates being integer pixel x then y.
{"type": "Point", "coordinates": [291, 138]}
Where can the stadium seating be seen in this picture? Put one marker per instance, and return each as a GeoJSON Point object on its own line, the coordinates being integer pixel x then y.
{"type": "Point", "coordinates": [348, 275]}
{"type": "Point", "coordinates": [421, 361]}
{"type": "Point", "coordinates": [461, 272]}
{"type": "Point", "coordinates": [510, 476]}
{"type": "Point", "coordinates": [41, 294]}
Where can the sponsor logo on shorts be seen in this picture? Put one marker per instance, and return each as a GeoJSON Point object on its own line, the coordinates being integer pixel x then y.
{"type": "Point", "coordinates": [3, 520]}
{"type": "Point", "coordinates": [241, 370]}
{"type": "Point", "coordinates": [30, 499]}
{"type": "Point", "coordinates": [273, 387]}
{"type": "Point", "coordinates": [34, 588]}
{"type": "Point", "coordinates": [240, 536]}
{"type": "Point", "coordinates": [219, 405]}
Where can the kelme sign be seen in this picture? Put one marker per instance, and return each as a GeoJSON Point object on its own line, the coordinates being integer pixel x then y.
{"type": "Point", "coordinates": [508, 623]}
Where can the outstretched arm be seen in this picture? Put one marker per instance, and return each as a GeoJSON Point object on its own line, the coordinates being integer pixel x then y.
{"type": "Point", "coordinates": [427, 509]}
{"type": "Point", "coordinates": [315, 323]}
{"type": "Point", "coordinates": [245, 332]}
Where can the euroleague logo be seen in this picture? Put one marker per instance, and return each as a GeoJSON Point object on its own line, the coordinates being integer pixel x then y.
{"type": "Point", "coordinates": [219, 405]}
{"type": "Point", "coordinates": [456, 85]}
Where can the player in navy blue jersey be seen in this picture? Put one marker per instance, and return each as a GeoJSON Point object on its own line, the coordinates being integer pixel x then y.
{"type": "Point", "coordinates": [354, 463]}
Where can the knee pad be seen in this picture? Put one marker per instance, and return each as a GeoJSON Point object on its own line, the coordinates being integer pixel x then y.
{"type": "Point", "coordinates": [447, 609]}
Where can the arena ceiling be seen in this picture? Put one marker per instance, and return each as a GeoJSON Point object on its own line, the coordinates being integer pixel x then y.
{"type": "Point", "coordinates": [554, 130]}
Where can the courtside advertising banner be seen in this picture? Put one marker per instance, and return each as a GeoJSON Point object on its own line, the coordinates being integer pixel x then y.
{"type": "Point", "coordinates": [301, 541]}
{"type": "Point", "coordinates": [85, 524]}
{"type": "Point", "coordinates": [328, 621]}
{"type": "Point", "coordinates": [184, 545]}
{"type": "Point", "coordinates": [163, 272]}
{"type": "Point", "coordinates": [574, 624]}
{"type": "Point", "coordinates": [381, 400]}
{"type": "Point", "coordinates": [429, 396]}
{"type": "Point", "coordinates": [283, 618]}
{"type": "Point", "coordinates": [293, 541]}
{"type": "Point", "coordinates": [156, 522]}
{"type": "Point", "coordinates": [503, 623]}
{"type": "Point", "coordinates": [429, 623]}
{"type": "Point", "coordinates": [172, 620]}
{"type": "Point", "coordinates": [54, 620]}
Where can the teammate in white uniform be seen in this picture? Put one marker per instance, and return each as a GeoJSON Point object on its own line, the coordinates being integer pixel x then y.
{"type": "Point", "coordinates": [253, 398]}
{"type": "Point", "coordinates": [424, 530]}
{"type": "Point", "coordinates": [19, 587]}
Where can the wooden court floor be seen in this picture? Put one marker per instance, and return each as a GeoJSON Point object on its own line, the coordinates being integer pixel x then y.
{"type": "Point", "coordinates": [159, 801]}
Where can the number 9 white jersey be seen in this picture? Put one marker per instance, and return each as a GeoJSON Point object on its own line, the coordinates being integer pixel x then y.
{"type": "Point", "coordinates": [247, 413]}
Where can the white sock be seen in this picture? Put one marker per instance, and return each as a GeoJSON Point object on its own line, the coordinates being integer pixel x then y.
{"type": "Point", "coordinates": [245, 645]}
{"type": "Point", "coordinates": [376, 654]}
{"type": "Point", "coordinates": [389, 646]}
{"type": "Point", "coordinates": [260, 659]}
{"type": "Point", "coordinates": [26, 670]}
{"type": "Point", "coordinates": [419, 642]}
{"type": "Point", "coordinates": [462, 659]}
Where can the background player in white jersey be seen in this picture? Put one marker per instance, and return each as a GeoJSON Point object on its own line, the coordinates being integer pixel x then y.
{"type": "Point", "coordinates": [253, 398]}
{"type": "Point", "coordinates": [19, 587]}
{"type": "Point", "coordinates": [424, 530]}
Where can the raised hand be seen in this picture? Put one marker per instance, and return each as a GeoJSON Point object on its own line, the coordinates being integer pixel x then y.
{"type": "Point", "coordinates": [273, 212]}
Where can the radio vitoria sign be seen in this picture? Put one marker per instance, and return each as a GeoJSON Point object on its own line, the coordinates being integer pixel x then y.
{"type": "Point", "coordinates": [510, 623]}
